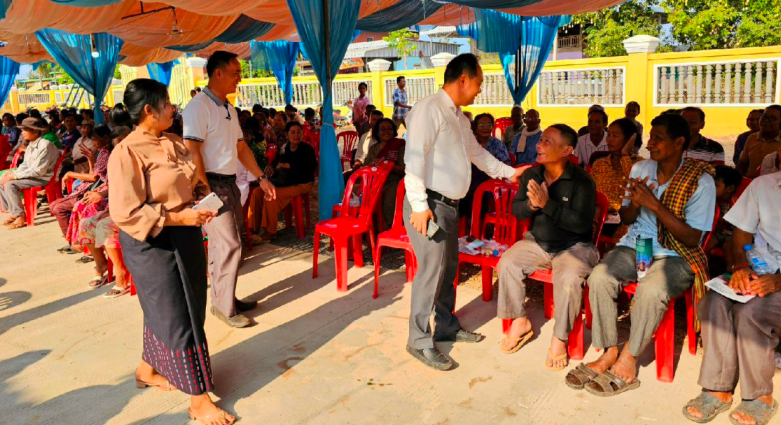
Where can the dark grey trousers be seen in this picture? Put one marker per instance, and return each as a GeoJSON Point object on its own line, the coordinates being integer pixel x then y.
{"type": "Point", "coordinates": [225, 248]}
{"type": "Point", "coordinates": [11, 194]}
{"type": "Point", "coordinates": [666, 279]}
{"type": "Point", "coordinates": [739, 343]}
{"type": "Point", "coordinates": [432, 289]}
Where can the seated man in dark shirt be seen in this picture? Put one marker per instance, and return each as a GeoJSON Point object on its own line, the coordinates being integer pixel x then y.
{"type": "Point", "coordinates": [560, 200]}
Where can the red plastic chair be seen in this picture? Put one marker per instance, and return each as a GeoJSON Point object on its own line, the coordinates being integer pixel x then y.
{"type": "Point", "coordinates": [351, 224]}
{"type": "Point", "coordinates": [501, 125]}
{"type": "Point", "coordinates": [5, 149]}
{"type": "Point", "coordinates": [513, 158]}
{"type": "Point", "coordinates": [313, 139]}
{"type": "Point", "coordinates": [506, 228]}
{"type": "Point", "coordinates": [396, 237]}
{"type": "Point", "coordinates": [664, 344]}
{"type": "Point", "coordinates": [576, 346]}
{"type": "Point", "coordinates": [740, 189]}
{"type": "Point", "coordinates": [298, 209]}
{"type": "Point", "coordinates": [271, 152]}
{"type": "Point", "coordinates": [16, 159]}
{"type": "Point", "coordinates": [348, 139]}
{"type": "Point", "coordinates": [53, 192]}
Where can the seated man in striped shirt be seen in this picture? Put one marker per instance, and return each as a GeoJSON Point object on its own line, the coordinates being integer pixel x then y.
{"type": "Point", "coordinates": [701, 147]}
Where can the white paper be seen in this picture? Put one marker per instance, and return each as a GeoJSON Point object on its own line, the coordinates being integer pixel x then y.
{"type": "Point", "coordinates": [613, 218]}
{"type": "Point", "coordinates": [719, 284]}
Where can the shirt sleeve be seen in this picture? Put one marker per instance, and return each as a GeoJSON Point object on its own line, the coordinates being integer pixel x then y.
{"type": "Point", "coordinates": [485, 161]}
{"type": "Point", "coordinates": [396, 97]}
{"type": "Point", "coordinates": [745, 213]}
{"type": "Point", "coordinates": [196, 119]}
{"type": "Point", "coordinates": [419, 143]}
{"type": "Point", "coordinates": [702, 205]}
{"type": "Point", "coordinates": [127, 197]}
{"type": "Point", "coordinates": [39, 164]}
{"type": "Point", "coordinates": [768, 164]}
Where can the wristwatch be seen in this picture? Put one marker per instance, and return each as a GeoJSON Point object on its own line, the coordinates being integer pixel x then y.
{"type": "Point", "coordinates": [261, 178]}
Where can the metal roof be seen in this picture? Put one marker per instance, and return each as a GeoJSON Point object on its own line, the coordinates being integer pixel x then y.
{"type": "Point", "coordinates": [380, 49]}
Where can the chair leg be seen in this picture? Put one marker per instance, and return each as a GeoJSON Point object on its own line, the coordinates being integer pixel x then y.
{"type": "Point", "coordinates": [408, 264]}
{"type": "Point", "coordinates": [30, 206]}
{"type": "Point", "coordinates": [132, 286]}
{"type": "Point", "coordinates": [358, 250]}
{"type": "Point", "coordinates": [289, 214]}
{"type": "Point", "coordinates": [575, 343]}
{"type": "Point", "coordinates": [588, 307]}
{"type": "Point", "coordinates": [307, 213]}
{"type": "Point", "coordinates": [315, 254]}
{"type": "Point", "coordinates": [488, 279]}
{"type": "Point", "coordinates": [506, 323]}
{"type": "Point", "coordinates": [548, 297]}
{"type": "Point", "coordinates": [340, 256]}
{"type": "Point", "coordinates": [665, 345]}
{"type": "Point", "coordinates": [691, 334]}
{"type": "Point", "coordinates": [377, 272]}
{"type": "Point", "coordinates": [298, 216]}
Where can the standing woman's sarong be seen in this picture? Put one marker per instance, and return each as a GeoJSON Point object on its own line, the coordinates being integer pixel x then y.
{"type": "Point", "coordinates": [169, 272]}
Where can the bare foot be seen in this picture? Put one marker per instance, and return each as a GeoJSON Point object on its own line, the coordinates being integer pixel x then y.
{"type": "Point", "coordinates": [521, 326]}
{"type": "Point", "coordinates": [626, 366]}
{"type": "Point", "coordinates": [724, 397]}
{"type": "Point", "coordinates": [18, 223]}
{"type": "Point", "coordinates": [605, 361]}
{"type": "Point", "coordinates": [748, 420]}
{"type": "Point", "coordinates": [557, 348]}
{"type": "Point", "coordinates": [203, 408]}
{"type": "Point", "coordinates": [148, 375]}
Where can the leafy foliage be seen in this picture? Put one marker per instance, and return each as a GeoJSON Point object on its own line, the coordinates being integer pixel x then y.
{"type": "Point", "coordinates": [400, 41]}
{"type": "Point", "coordinates": [608, 28]}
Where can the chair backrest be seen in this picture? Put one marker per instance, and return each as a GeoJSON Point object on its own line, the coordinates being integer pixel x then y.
{"type": "Point", "coordinates": [600, 215]}
{"type": "Point", "coordinates": [17, 157]}
{"type": "Point", "coordinates": [501, 125]}
{"type": "Point", "coordinates": [271, 152]}
{"type": "Point", "coordinates": [506, 225]}
{"type": "Point", "coordinates": [740, 189]}
{"type": "Point", "coordinates": [348, 140]}
{"type": "Point", "coordinates": [398, 220]}
{"type": "Point", "coordinates": [313, 138]}
{"type": "Point", "coordinates": [56, 176]}
{"type": "Point", "coordinates": [707, 237]}
{"type": "Point", "coordinates": [371, 181]}
{"type": "Point", "coordinates": [574, 159]}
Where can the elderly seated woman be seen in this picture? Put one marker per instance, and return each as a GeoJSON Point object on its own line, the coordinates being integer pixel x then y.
{"type": "Point", "coordinates": [740, 337]}
{"type": "Point", "coordinates": [36, 170]}
{"type": "Point", "coordinates": [293, 174]}
{"type": "Point", "coordinates": [388, 147]}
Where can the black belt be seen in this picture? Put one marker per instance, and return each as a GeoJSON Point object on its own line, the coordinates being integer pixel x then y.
{"type": "Point", "coordinates": [221, 177]}
{"type": "Point", "coordinates": [442, 198]}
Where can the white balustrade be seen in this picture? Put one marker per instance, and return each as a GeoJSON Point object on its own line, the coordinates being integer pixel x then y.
{"type": "Point", "coordinates": [604, 86]}
{"type": "Point", "coordinates": [417, 88]}
{"type": "Point", "coordinates": [494, 91]}
{"type": "Point", "coordinates": [29, 99]}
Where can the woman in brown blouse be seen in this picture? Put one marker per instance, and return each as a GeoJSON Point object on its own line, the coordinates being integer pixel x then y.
{"type": "Point", "coordinates": [153, 189]}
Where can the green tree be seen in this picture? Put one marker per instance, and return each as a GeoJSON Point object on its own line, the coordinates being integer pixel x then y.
{"type": "Point", "coordinates": [608, 28]}
{"type": "Point", "coordinates": [400, 40]}
{"type": "Point", "coordinates": [256, 73]}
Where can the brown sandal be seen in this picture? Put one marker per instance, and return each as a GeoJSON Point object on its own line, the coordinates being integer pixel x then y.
{"type": "Point", "coordinates": [205, 419]}
{"type": "Point", "coordinates": [519, 342]}
{"type": "Point", "coordinates": [554, 360]}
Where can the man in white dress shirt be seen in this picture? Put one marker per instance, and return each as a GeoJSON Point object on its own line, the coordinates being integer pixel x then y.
{"type": "Point", "coordinates": [440, 147]}
{"type": "Point", "coordinates": [595, 140]}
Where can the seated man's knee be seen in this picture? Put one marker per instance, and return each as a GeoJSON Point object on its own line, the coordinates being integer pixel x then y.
{"type": "Point", "coordinates": [652, 292]}
{"type": "Point", "coordinates": [600, 277]}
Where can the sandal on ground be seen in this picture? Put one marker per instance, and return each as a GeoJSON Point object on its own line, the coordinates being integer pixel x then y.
{"type": "Point", "coordinates": [67, 250]}
{"type": "Point", "coordinates": [166, 387]}
{"type": "Point", "coordinates": [708, 405]}
{"type": "Point", "coordinates": [608, 385]}
{"type": "Point", "coordinates": [518, 343]}
{"type": "Point", "coordinates": [98, 281]}
{"type": "Point", "coordinates": [556, 359]}
{"type": "Point", "coordinates": [758, 410]}
{"type": "Point", "coordinates": [116, 291]}
{"type": "Point", "coordinates": [578, 377]}
{"type": "Point", "coordinates": [205, 419]}
{"type": "Point", "coordinates": [85, 259]}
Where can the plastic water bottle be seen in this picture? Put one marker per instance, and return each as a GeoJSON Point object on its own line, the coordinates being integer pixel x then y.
{"type": "Point", "coordinates": [755, 260]}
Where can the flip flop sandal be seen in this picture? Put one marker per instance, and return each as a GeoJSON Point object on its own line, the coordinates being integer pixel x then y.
{"type": "Point", "coordinates": [205, 419]}
{"type": "Point", "coordinates": [519, 342]}
{"type": "Point", "coordinates": [556, 359]}
{"type": "Point", "coordinates": [166, 387]}
{"type": "Point", "coordinates": [708, 405]}
{"type": "Point", "coordinates": [758, 410]}
{"type": "Point", "coordinates": [608, 385]}
{"type": "Point", "coordinates": [98, 282]}
{"type": "Point", "coordinates": [85, 260]}
{"type": "Point", "coordinates": [578, 377]}
{"type": "Point", "coordinates": [67, 250]}
{"type": "Point", "coordinates": [116, 291]}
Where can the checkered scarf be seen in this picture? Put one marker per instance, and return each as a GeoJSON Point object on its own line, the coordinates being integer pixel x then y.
{"type": "Point", "coordinates": [675, 198]}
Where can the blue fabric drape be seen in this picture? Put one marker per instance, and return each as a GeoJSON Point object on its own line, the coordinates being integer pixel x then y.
{"type": "Point", "coordinates": [4, 5]}
{"type": "Point", "coordinates": [403, 14]}
{"type": "Point", "coordinates": [309, 18]}
{"type": "Point", "coordinates": [9, 69]}
{"type": "Point", "coordinates": [244, 29]}
{"type": "Point", "coordinates": [73, 52]}
{"type": "Point", "coordinates": [494, 4]}
{"type": "Point", "coordinates": [162, 72]}
{"type": "Point", "coordinates": [494, 32]}
{"type": "Point", "coordinates": [280, 58]}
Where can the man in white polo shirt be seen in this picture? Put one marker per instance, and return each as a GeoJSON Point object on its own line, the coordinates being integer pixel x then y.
{"type": "Point", "coordinates": [213, 136]}
{"type": "Point", "coordinates": [596, 138]}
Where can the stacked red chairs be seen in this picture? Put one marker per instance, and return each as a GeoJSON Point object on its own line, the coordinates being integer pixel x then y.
{"type": "Point", "coordinates": [352, 223]}
{"type": "Point", "coordinates": [506, 227]}
{"type": "Point", "coordinates": [53, 192]}
{"type": "Point", "coordinates": [576, 346]}
{"type": "Point", "coordinates": [664, 344]}
{"type": "Point", "coordinates": [348, 139]}
{"type": "Point", "coordinates": [501, 125]}
{"type": "Point", "coordinates": [396, 237]}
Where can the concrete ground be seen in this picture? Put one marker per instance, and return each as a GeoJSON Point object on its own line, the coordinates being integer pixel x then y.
{"type": "Point", "coordinates": [315, 355]}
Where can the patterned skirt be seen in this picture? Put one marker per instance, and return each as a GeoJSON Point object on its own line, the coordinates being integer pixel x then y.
{"type": "Point", "coordinates": [169, 272]}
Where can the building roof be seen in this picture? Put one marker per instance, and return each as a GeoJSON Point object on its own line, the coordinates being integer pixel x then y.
{"type": "Point", "coordinates": [381, 49]}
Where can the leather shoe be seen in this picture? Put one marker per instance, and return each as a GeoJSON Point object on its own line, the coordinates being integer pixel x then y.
{"type": "Point", "coordinates": [431, 357]}
{"type": "Point", "coordinates": [244, 306]}
{"type": "Point", "coordinates": [237, 321]}
{"type": "Point", "coordinates": [462, 335]}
